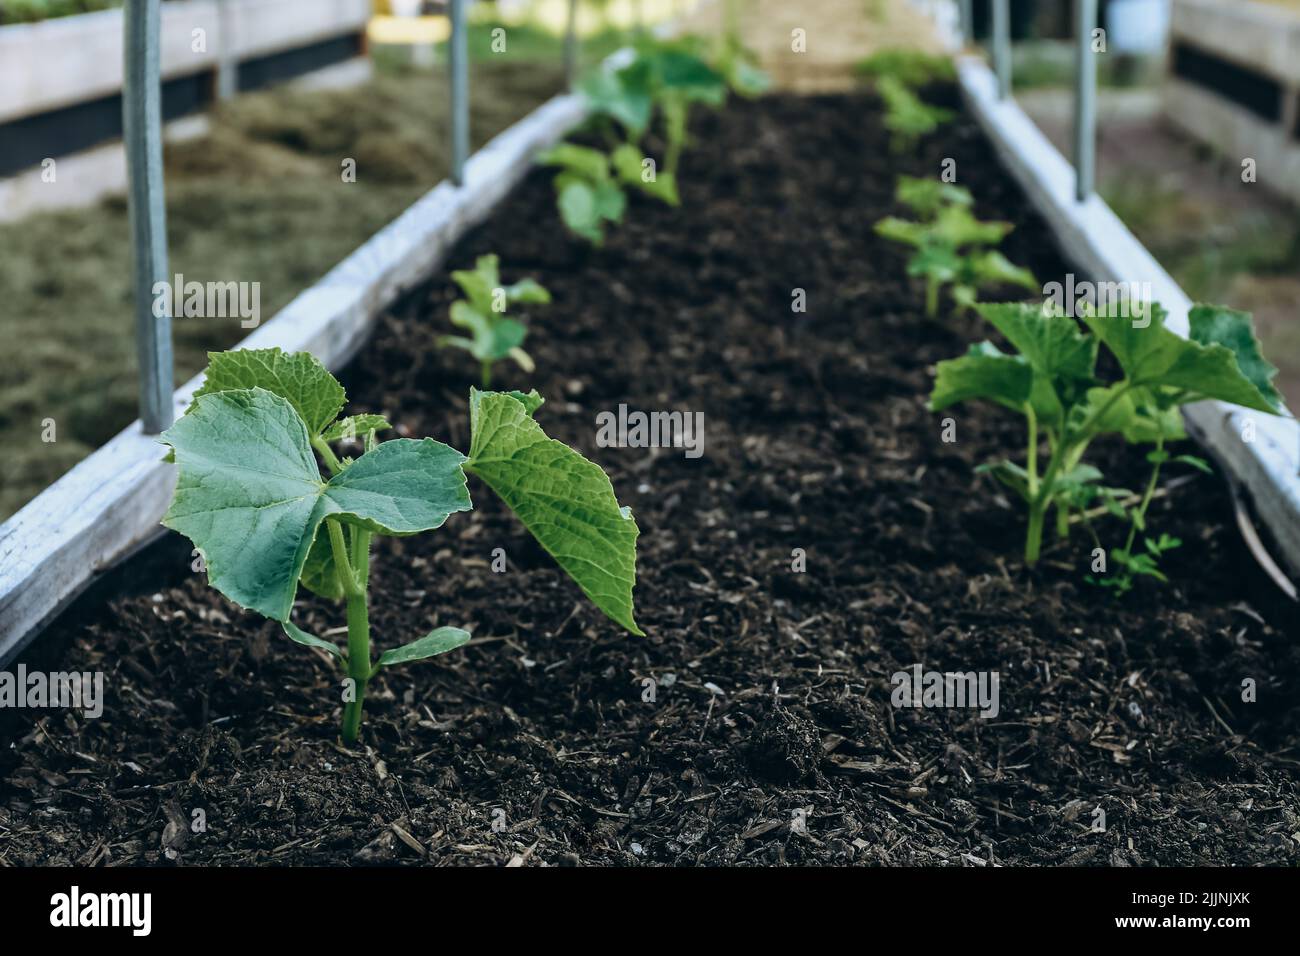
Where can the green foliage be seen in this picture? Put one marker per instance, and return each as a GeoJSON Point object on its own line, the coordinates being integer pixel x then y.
{"type": "Point", "coordinates": [949, 243]}
{"type": "Point", "coordinates": [1051, 378]}
{"type": "Point", "coordinates": [907, 116]}
{"type": "Point", "coordinates": [664, 78]}
{"type": "Point", "coordinates": [252, 499]}
{"type": "Point", "coordinates": [493, 335]}
{"type": "Point", "coordinates": [590, 187]}
{"type": "Point", "coordinates": [912, 68]}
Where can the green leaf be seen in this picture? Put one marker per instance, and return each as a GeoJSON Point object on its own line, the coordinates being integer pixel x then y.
{"type": "Point", "coordinates": [991, 266]}
{"type": "Point", "coordinates": [927, 196]}
{"type": "Point", "coordinates": [1153, 356]}
{"type": "Point", "coordinates": [591, 164]}
{"type": "Point", "coordinates": [250, 497]}
{"type": "Point", "coordinates": [479, 284]}
{"type": "Point", "coordinates": [1217, 325]}
{"type": "Point", "coordinates": [1062, 357]}
{"type": "Point", "coordinates": [580, 213]}
{"type": "Point", "coordinates": [318, 575]}
{"type": "Point", "coordinates": [528, 292]}
{"type": "Point", "coordinates": [356, 426]}
{"type": "Point", "coordinates": [1200, 464]}
{"type": "Point", "coordinates": [531, 401]}
{"type": "Point", "coordinates": [311, 640]}
{"type": "Point", "coordinates": [624, 96]}
{"type": "Point", "coordinates": [436, 642]}
{"type": "Point", "coordinates": [564, 500]}
{"type": "Point", "coordinates": [1009, 474]}
{"type": "Point", "coordinates": [983, 372]}
{"type": "Point", "coordinates": [299, 378]}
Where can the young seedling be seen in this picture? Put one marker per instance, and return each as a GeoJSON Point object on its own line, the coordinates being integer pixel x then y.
{"type": "Point", "coordinates": [590, 185]}
{"type": "Point", "coordinates": [1051, 379]}
{"type": "Point", "coordinates": [493, 334]}
{"type": "Point", "coordinates": [251, 498]}
{"type": "Point", "coordinates": [907, 117]}
{"type": "Point", "coordinates": [949, 243]}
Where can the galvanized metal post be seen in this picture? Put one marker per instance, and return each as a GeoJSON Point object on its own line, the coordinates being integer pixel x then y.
{"type": "Point", "coordinates": [1002, 46]}
{"type": "Point", "coordinates": [142, 127]}
{"type": "Point", "coordinates": [459, 48]}
{"type": "Point", "coordinates": [967, 22]}
{"type": "Point", "coordinates": [227, 64]}
{"type": "Point", "coordinates": [571, 65]}
{"type": "Point", "coordinates": [1085, 101]}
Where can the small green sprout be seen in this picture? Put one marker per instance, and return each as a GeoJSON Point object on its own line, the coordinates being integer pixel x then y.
{"type": "Point", "coordinates": [252, 499]}
{"type": "Point", "coordinates": [1052, 380]}
{"type": "Point", "coordinates": [493, 334]}
{"type": "Point", "coordinates": [907, 117]}
{"type": "Point", "coordinates": [949, 243]}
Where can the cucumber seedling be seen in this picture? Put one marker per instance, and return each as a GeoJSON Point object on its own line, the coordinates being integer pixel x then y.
{"type": "Point", "coordinates": [252, 499]}
{"type": "Point", "coordinates": [907, 116]}
{"type": "Point", "coordinates": [590, 186]}
{"type": "Point", "coordinates": [950, 243]}
{"type": "Point", "coordinates": [1051, 379]}
{"type": "Point", "coordinates": [493, 335]}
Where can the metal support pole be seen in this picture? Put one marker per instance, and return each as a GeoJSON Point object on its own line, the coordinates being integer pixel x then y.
{"type": "Point", "coordinates": [1002, 46]}
{"type": "Point", "coordinates": [227, 64]}
{"type": "Point", "coordinates": [1085, 101]}
{"type": "Point", "coordinates": [459, 48]}
{"type": "Point", "coordinates": [571, 64]}
{"type": "Point", "coordinates": [142, 127]}
{"type": "Point", "coordinates": [967, 22]}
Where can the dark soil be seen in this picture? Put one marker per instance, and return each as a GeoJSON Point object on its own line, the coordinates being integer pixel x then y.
{"type": "Point", "coordinates": [771, 737]}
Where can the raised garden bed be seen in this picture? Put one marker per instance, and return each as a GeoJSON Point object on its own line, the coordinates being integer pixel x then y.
{"type": "Point", "coordinates": [772, 686]}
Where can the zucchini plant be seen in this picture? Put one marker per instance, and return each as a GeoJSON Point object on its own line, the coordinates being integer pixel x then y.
{"type": "Point", "coordinates": [949, 243]}
{"type": "Point", "coordinates": [493, 335]}
{"type": "Point", "coordinates": [252, 499]}
{"type": "Point", "coordinates": [1051, 379]}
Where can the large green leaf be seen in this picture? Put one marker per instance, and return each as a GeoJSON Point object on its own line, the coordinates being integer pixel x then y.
{"type": "Point", "coordinates": [565, 501]}
{"type": "Point", "coordinates": [1216, 325]}
{"type": "Point", "coordinates": [580, 212]}
{"type": "Point", "coordinates": [983, 372]}
{"type": "Point", "coordinates": [250, 497]}
{"type": "Point", "coordinates": [1153, 356]}
{"type": "Point", "coordinates": [1052, 344]}
{"type": "Point", "coordinates": [297, 377]}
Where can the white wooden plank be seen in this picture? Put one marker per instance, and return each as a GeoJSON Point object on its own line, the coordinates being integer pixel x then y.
{"type": "Point", "coordinates": [111, 503]}
{"type": "Point", "coordinates": [1099, 243]}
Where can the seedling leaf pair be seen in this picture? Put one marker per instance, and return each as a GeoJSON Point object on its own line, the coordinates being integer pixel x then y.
{"type": "Point", "coordinates": [493, 335]}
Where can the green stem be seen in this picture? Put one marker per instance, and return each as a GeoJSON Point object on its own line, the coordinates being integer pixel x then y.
{"type": "Point", "coordinates": [1140, 514]}
{"type": "Point", "coordinates": [354, 589]}
{"type": "Point", "coordinates": [931, 298]}
{"type": "Point", "coordinates": [486, 376]}
{"type": "Point", "coordinates": [1062, 521]}
{"type": "Point", "coordinates": [327, 454]}
{"type": "Point", "coordinates": [1034, 535]}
